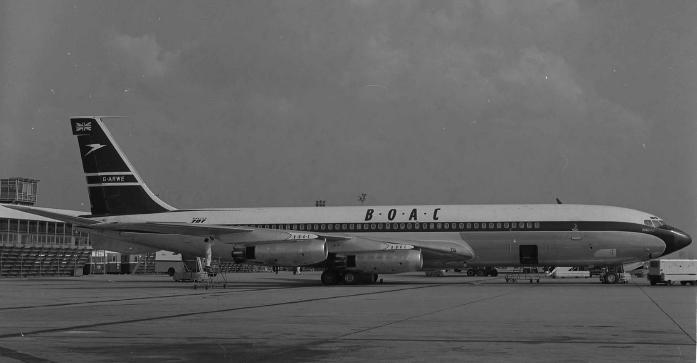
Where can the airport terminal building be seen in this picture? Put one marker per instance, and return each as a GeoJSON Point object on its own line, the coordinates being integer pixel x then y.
{"type": "Point", "coordinates": [31, 245]}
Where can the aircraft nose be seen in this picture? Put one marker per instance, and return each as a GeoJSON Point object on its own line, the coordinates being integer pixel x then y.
{"type": "Point", "coordinates": [680, 241]}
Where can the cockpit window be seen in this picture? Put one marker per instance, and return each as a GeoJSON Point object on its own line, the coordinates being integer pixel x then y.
{"type": "Point", "coordinates": [648, 222]}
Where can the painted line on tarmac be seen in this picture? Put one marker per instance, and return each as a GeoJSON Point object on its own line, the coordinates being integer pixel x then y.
{"type": "Point", "coordinates": [22, 357]}
{"type": "Point", "coordinates": [664, 312]}
{"type": "Point", "coordinates": [86, 326]}
{"type": "Point", "coordinates": [231, 291]}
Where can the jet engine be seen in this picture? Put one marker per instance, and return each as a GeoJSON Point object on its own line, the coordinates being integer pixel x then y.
{"type": "Point", "coordinates": [296, 253]}
{"type": "Point", "coordinates": [387, 262]}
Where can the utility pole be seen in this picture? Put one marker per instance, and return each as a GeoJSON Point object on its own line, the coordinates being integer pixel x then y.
{"type": "Point", "coordinates": [362, 198]}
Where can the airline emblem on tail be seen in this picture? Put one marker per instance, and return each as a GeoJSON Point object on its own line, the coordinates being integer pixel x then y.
{"type": "Point", "coordinates": [87, 126]}
{"type": "Point", "coordinates": [94, 147]}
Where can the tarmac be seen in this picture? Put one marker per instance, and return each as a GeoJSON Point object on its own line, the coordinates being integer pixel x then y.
{"type": "Point", "coordinates": [266, 317]}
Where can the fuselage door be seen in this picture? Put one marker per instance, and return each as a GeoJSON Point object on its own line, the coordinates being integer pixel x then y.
{"type": "Point", "coordinates": [528, 254]}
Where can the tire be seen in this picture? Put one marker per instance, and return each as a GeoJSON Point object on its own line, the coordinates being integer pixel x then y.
{"type": "Point", "coordinates": [668, 282]}
{"type": "Point", "coordinates": [481, 273]}
{"type": "Point", "coordinates": [351, 278]}
{"type": "Point", "coordinates": [170, 271]}
{"type": "Point", "coordinates": [330, 277]}
{"type": "Point", "coordinates": [470, 272]}
{"type": "Point", "coordinates": [652, 282]}
{"type": "Point", "coordinates": [611, 278]}
{"type": "Point", "coordinates": [494, 273]}
{"type": "Point", "coordinates": [683, 283]}
{"type": "Point", "coordinates": [693, 283]}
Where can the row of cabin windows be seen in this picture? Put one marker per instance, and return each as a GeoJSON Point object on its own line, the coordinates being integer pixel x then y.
{"type": "Point", "coordinates": [399, 226]}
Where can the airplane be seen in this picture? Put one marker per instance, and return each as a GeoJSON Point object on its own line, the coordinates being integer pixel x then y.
{"type": "Point", "coordinates": [354, 244]}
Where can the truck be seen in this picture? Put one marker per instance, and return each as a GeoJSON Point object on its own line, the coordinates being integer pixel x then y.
{"type": "Point", "coordinates": [669, 271]}
{"type": "Point", "coordinates": [168, 263]}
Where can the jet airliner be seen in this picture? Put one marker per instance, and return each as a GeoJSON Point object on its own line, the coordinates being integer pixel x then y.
{"type": "Point", "coordinates": [355, 244]}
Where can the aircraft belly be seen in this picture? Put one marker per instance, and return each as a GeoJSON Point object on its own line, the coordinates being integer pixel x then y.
{"type": "Point", "coordinates": [188, 245]}
{"type": "Point", "coordinates": [568, 248]}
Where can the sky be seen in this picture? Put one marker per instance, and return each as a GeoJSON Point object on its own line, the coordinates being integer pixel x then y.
{"type": "Point", "coordinates": [281, 103]}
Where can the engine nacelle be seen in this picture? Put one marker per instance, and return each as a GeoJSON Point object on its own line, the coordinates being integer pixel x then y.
{"type": "Point", "coordinates": [387, 262]}
{"type": "Point", "coordinates": [291, 253]}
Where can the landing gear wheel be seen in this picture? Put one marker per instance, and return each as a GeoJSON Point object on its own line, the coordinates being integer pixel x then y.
{"type": "Point", "coordinates": [351, 278]}
{"type": "Point", "coordinates": [330, 277]}
{"type": "Point", "coordinates": [481, 273]}
{"type": "Point", "coordinates": [494, 273]}
{"type": "Point", "coordinates": [668, 282]}
{"type": "Point", "coordinates": [652, 282]}
{"type": "Point", "coordinates": [170, 271]}
{"type": "Point", "coordinates": [693, 283]}
{"type": "Point", "coordinates": [683, 283]}
{"type": "Point", "coordinates": [470, 272]}
{"type": "Point", "coordinates": [611, 278]}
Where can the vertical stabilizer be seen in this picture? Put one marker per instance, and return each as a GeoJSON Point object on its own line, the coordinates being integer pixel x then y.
{"type": "Point", "coordinates": [114, 186]}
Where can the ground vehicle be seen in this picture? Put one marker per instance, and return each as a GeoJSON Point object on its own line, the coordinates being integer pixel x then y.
{"type": "Point", "coordinates": [564, 272]}
{"type": "Point", "coordinates": [669, 271]}
{"type": "Point", "coordinates": [483, 271]}
{"type": "Point", "coordinates": [614, 275]}
{"type": "Point", "coordinates": [168, 262]}
{"type": "Point", "coordinates": [435, 273]}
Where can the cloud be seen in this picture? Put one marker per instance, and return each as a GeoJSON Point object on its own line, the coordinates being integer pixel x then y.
{"type": "Point", "coordinates": [142, 55]}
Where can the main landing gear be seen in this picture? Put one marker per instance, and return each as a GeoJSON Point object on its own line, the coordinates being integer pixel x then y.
{"type": "Point", "coordinates": [333, 277]}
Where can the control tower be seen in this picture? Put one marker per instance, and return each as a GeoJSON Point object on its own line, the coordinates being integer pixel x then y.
{"type": "Point", "coordinates": [18, 191]}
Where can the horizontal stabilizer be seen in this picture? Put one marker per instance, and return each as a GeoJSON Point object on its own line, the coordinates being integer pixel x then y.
{"type": "Point", "coordinates": [51, 213]}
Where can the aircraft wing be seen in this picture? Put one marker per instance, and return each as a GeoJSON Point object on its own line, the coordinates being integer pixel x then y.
{"type": "Point", "coordinates": [437, 249]}
{"type": "Point", "coordinates": [53, 214]}
{"type": "Point", "coordinates": [172, 228]}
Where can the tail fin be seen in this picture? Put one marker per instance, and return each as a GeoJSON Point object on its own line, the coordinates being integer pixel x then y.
{"type": "Point", "coordinates": [114, 186]}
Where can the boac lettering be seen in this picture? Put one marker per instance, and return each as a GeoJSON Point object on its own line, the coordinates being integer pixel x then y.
{"type": "Point", "coordinates": [412, 216]}
{"type": "Point", "coordinates": [369, 215]}
{"type": "Point", "coordinates": [435, 214]}
{"type": "Point", "coordinates": [391, 214]}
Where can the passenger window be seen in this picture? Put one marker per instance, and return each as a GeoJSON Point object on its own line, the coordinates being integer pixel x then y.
{"type": "Point", "coordinates": [438, 226]}
{"type": "Point", "coordinates": [446, 225]}
{"type": "Point", "coordinates": [302, 227]}
{"type": "Point", "coordinates": [483, 225]}
{"type": "Point", "coordinates": [316, 227]}
{"type": "Point", "coordinates": [330, 226]}
{"type": "Point", "coordinates": [537, 225]}
{"type": "Point", "coordinates": [432, 226]}
{"type": "Point", "coordinates": [401, 226]}
{"type": "Point", "coordinates": [351, 226]}
{"type": "Point", "coordinates": [323, 226]}
{"type": "Point", "coordinates": [505, 225]}
{"type": "Point", "coordinates": [372, 226]}
{"type": "Point", "coordinates": [266, 226]}
{"type": "Point", "coordinates": [498, 225]}
{"type": "Point", "coordinates": [343, 226]}
{"type": "Point", "coordinates": [417, 225]}
{"type": "Point", "coordinates": [476, 225]}
{"type": "Point", "coordinates": [469, 225]}
{"type": "Point", "coordinates": [408, 225]}
{"type": "Point", "coordinates": [491, 225]}
{"type": "Point", "coordinates": [379, 225]}
{"type": "Point", "coordinates": [529, 225]}
{"type": "Point", "coordinates": [462, 226]}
